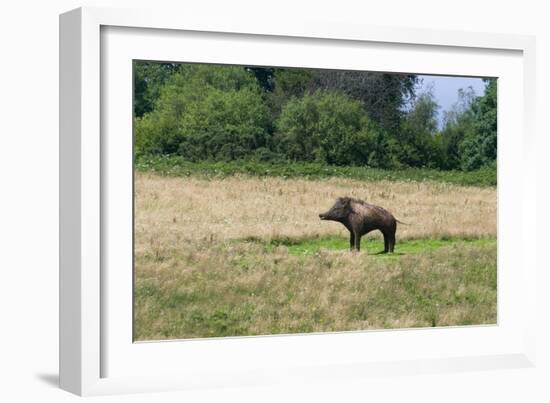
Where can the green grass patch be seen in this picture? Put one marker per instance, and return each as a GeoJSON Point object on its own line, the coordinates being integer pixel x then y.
{"type": "Point", "coordinates": [310, 246]}
{"type": "Point", "coordinates": [178, 166]}
{"type": "Point", "coordinates": [248, 287]}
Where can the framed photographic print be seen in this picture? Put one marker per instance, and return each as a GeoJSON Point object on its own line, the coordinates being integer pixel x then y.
{"type": "Point", "coordinates": [246, 204]}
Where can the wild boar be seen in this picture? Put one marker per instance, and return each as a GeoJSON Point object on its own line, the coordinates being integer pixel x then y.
{"type": "Point", "coordinates": [360, 218]}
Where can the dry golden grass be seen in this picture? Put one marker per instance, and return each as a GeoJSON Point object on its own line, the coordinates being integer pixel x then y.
{"type": "Point", "coordinates": [198, 276]}
{"type": "Point", "coordinates": [172, 210]}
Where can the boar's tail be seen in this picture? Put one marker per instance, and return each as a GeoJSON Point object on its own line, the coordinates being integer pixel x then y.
{"type": "Point", "coordinates": [401, 222]}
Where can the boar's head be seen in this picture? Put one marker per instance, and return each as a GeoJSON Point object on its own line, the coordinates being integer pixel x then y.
{"type": "Point", "coordinates": [339, 211]}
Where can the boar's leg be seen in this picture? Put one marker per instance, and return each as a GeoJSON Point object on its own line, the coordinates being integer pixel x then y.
{"type": "Point", "coordinates": [357, 242]}
{"type": "Point", "coordinates": [391, 241]}
{"type": "Point", "coordinates": [351, 240]}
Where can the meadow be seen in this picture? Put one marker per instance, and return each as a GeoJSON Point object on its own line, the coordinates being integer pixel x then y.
{"type": "Point", "coordinates": [246, 254]}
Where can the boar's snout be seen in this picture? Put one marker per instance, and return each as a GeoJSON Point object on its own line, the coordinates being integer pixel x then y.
{"type": "Point", "coordinates": [323, 216]}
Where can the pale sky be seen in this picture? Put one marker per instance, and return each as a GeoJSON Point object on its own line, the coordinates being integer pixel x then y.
{"type": "Point", "coordinates": [445, 89]}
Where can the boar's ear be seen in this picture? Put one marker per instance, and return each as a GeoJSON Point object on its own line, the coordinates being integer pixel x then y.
{"type": "Point", "coordinates": [345, 201]}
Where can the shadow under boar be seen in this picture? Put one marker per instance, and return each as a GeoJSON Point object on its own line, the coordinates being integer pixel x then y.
{"type": "Point", "coordinates": [360, 218]}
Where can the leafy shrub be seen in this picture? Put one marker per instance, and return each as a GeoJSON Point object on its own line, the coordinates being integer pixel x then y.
{"type": "Point", "coordinates": [325, 127]}
{"type": "Point", "coordinates": [205, 112]}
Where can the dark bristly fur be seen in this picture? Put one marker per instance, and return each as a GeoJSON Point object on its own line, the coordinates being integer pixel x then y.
{"type": "Point", "coordinates": [360, 218]}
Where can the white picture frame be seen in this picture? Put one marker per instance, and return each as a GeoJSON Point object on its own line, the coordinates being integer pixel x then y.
{"type": "Point", "coordinates": [96, 354]}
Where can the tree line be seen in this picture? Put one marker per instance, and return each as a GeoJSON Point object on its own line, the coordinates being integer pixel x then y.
{"type": "Point", "coordinates": [344, 118]}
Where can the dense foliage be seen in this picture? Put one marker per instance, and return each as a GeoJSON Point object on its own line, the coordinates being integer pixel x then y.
{"type": "Point", "coordinates": [149, 77]}
{"type": "Point", "coordinates": [383, 95]}
{"type": "Point", "coordinates": [324, 127]}
{"type": "Point", "coordinates": [337, 118]}
{"type": "Point", "coordinates": [205, 112]}
{"type": "Point", "coordinates": [479, 146]}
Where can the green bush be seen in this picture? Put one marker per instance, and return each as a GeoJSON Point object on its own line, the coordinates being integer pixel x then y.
{"type": "Point", "coordinates": [205, 112]}
{"type": "Point", "coordinates": [326, 127]}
